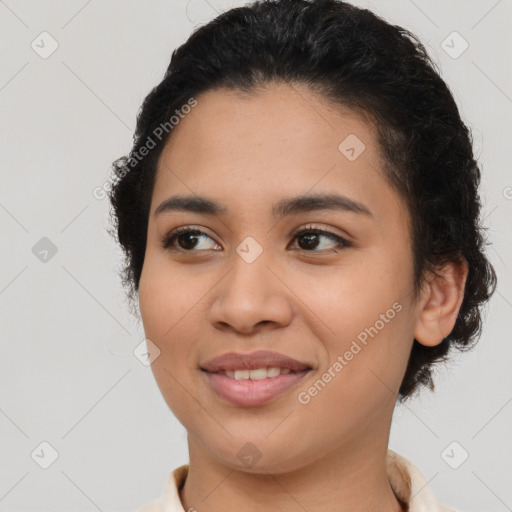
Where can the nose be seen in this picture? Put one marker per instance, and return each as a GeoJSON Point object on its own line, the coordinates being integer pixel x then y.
{"type": "Point", "coordinates": [251, 297]}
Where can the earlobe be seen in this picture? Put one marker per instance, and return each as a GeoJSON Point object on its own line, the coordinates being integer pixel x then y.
{"type": "Point", "coordinates": [440, 303]}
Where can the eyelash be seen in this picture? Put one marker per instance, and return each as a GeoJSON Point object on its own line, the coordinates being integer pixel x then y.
{"type": "Point", "coordinates": [168, 240]}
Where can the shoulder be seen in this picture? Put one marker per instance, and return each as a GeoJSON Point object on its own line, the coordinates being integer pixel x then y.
{"type": "Point", "coordinates": [152, 506]}
{"type": "Point", "coordinates": [169, 501]}
{"type": "Point", "coordinates": [410, 485]}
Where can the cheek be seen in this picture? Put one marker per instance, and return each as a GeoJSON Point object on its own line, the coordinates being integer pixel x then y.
{"type": "Point", "coordinates": [172, 303]}
{"type": "Point", "coordinates": [366, 312]}
{"type": "Point", "coordinates": [362, 372]}
{"type": "Point", "coordinates": [164, 301]}
{"type": "Point", "coordinates": [353, 296]}
{"type": "Point", "coordinates": [166, 296]}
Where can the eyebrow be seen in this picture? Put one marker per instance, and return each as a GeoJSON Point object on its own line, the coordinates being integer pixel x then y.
{"type": "Point", "coordinates": [285, 207]}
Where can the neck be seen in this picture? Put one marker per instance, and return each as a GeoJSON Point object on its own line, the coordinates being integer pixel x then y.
{"type": "Point", "coordinates": [351, 479]}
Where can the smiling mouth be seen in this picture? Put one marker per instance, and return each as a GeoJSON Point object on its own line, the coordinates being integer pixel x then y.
{"type": "Point", "coordinates": [243, 390]}
{"type": "Point", "coordinates": [257, 373]}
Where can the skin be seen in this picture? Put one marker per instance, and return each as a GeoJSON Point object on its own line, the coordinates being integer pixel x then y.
{"type": "Point", "coordinates": [248, 152]}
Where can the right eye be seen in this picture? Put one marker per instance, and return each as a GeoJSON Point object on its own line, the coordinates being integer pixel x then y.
{"type": "Point", "coordinates": [186, 237]}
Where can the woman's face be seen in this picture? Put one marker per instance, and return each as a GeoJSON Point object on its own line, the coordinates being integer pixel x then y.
{"type": "Point", "coordinates": [248, 283]}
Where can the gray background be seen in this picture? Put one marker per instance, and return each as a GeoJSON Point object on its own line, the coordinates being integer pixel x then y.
{"type": "Point", "coordinates": [68, 373]}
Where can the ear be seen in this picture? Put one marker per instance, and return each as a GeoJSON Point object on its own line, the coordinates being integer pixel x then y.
{"type": "Point", "coordinates": [440, 303]}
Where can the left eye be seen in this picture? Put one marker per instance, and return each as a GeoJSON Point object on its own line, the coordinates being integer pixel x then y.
{"type": "Point", "coordinates": [312, 235]}
{"type": "Point", "coordinates": [188, 237]}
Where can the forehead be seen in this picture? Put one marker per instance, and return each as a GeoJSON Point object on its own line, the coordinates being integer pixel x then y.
{"type": "Point", "coordinates": [246, 149]}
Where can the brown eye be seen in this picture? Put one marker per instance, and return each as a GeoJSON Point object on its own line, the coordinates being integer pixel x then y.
{"type": "Point", "coordinates": [310, 239]}
{"type": "Point", "coordinates": [186, 238]}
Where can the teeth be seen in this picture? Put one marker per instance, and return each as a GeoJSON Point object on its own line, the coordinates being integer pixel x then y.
{"type": "Point", "coordinates": [273, 372]}
{"type": "Point", "coordinates": [257, 374]}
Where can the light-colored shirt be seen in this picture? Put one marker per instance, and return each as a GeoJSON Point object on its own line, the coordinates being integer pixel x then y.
{"type": "Point", "coordinates": [407, 482]}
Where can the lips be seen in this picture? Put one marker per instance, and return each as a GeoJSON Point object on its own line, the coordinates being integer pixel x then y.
{"type": "Point", "coordinates": [232, 361]}
{"type": "Point", "coordinates": [252, 393]}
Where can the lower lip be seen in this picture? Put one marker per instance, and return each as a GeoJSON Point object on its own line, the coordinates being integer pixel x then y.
{"type": "Point", "coordinates": [249, 392]}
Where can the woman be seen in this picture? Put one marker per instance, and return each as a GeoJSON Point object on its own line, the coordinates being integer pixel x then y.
{"type": "Point", "coordinates": [300, 218]}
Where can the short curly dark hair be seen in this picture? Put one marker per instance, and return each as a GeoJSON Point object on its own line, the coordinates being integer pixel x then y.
{"type": "Point", "coordinates": [356, 59]}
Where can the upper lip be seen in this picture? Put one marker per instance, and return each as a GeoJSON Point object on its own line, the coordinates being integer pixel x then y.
{"type": "Point", "coordinates": [259, 359]}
